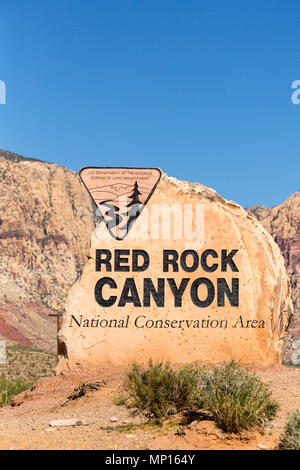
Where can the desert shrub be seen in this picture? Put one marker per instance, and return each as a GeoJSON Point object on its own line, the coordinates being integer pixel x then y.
{"type": "Point", "coordinates": [290, 438]}
{"type": "Point", "coordinates": [8, 390]}
{"type": "Point", "coordinates": [159, 390]}
{"type": "Point", "coordinates": [236, 399]}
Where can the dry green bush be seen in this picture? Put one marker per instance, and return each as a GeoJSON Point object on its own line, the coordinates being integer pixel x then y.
{"type": "Point", "coordinates": [235, 398]}
{"type": "Point", "coordinates": [9, 389]}
{"type": "Point", "coordinates": [290, 438]}
{"type": "Point", "coordinates": [159, 390]}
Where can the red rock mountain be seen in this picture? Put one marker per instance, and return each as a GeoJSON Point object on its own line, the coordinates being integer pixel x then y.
{"type": "Point", "coordinates": [46, 218]}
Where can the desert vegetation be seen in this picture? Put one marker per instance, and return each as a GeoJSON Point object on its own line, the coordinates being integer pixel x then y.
{"type": "Point", "coordinates": [27, 365]}
{"type": "Point", "coordinates": [159, 390]}
{"type": "Point", "coordinates": [9, 389]}
{"type": "Point", "coordinates": [290, 438]}
{"type": "Point", "coordinates": [233, 397]}
{"type": "Point", "coordinates": [24, 366]}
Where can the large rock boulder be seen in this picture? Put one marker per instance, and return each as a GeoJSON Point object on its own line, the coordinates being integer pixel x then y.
{"type": "Point", "coordinates": [234, 300]}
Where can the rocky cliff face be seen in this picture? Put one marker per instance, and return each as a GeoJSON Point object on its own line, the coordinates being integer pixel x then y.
{"type": "Point", "coordinates": [283, 223]}
{"type": "Point", "coordinates": [46, 218]}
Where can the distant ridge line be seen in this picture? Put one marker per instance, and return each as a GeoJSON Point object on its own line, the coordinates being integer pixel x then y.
{"type": "Point", "coordinates": [14, 157]}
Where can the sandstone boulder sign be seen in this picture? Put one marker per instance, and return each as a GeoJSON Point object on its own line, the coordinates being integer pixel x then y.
{"type": "Point", "coordinates": [175, 272]}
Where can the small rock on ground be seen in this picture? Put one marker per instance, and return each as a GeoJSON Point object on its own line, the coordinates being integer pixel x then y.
{"type": "Point", "coordinates": [67, 422]}
{"type": "Point", "coordinates": [262, 447]}
{"type": "Point", "coordinates": [113, 419]}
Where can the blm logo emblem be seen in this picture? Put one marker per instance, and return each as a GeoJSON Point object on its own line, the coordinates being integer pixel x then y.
{"type": "Point", "coordinates": [120, 194]}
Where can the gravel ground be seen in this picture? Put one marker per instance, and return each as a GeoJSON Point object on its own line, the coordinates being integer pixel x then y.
{"type": "Point", "coordinates": [107, 426]}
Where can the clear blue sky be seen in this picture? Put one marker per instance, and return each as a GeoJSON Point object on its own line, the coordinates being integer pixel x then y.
{"type": "Point", "coordinates": [201, 89]}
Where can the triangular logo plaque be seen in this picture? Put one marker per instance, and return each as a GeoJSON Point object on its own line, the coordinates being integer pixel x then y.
{"type": "Point", "coordinates": [120, 194]}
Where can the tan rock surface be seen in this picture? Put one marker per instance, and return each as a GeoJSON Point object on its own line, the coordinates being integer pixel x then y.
{"type": "Point", "coordinates": [264, 292]}
{"type": "Point", "coordinates": [46, 219]}
{"type": "Point", "coordinates": [283, 223]}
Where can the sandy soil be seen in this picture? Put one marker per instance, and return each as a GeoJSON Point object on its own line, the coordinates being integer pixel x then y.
{"type": "Point", "coordinates": [26, 425]}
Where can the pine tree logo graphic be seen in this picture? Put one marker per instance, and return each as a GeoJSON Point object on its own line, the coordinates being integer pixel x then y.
{"type": "Point", "coordinates": [121, 201]}
{"type": "Point", "coordinates": [134, 207]}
